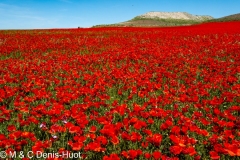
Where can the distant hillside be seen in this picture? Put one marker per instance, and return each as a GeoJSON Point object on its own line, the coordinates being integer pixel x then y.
{"type": "Point", "coordinates": [175, 15]}
{"type": "Point", "coordinates": [233, 17]}
{"type": "Point", "coordinates": [162, 19]}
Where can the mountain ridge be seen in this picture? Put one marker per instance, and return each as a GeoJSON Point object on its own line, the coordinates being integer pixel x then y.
{"type": "Point", "coordinates": [232, 17]}
{"type": "Point", "coordinates": [158, 19]}
{"type": "Point", "coordinates": [175, 15]}
{"type": "Point", "coordinates": [154, 18]}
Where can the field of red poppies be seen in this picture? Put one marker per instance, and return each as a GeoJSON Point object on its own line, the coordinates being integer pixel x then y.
{"type": "Point", "coordinates": [122, 93]}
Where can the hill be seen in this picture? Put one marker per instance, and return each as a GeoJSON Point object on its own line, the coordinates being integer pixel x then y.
{"type": "Point", "coordinates": [233, 17]}
{"type": "Point", "coordinates": [162, 19]}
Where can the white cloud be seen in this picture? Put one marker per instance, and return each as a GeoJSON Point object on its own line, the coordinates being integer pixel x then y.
{"type": "Point", "coordinates": [16, 17]}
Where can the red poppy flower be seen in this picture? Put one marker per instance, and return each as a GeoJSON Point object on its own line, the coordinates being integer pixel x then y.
{"type": "Point", "coordinates": [133, 154]}
{"type": "Point", "coordinates": [175, 130]}
{"type": "Point", "coordinates": [102, 140]}
{"type": "Point", "coordinates": [190, 150]}
{"type": "Point", "coordinates": [176, 149]}
{"type": "Point", "coordinates": [156, 154]}
{"type": "Point", "coordinates": [232, 149]}
{"type": "Point", "coordinates": [112, 156]}
{"type": "Point", "coordinates": [214, 155]}
{"type": "Point", "coordinates": [177, 140]}
{"type": "Point", "coordinates": [147, 155]}
{"type": "Point", "coordinates": [157, 139]}
{"type": "Point", "coordinates": [115, 140]}
{"type": "Point", "coordinates": [11, 128]}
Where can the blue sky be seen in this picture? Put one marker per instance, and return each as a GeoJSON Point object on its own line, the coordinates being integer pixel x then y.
{"type": "Point", "coordinates": [30, 14]}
